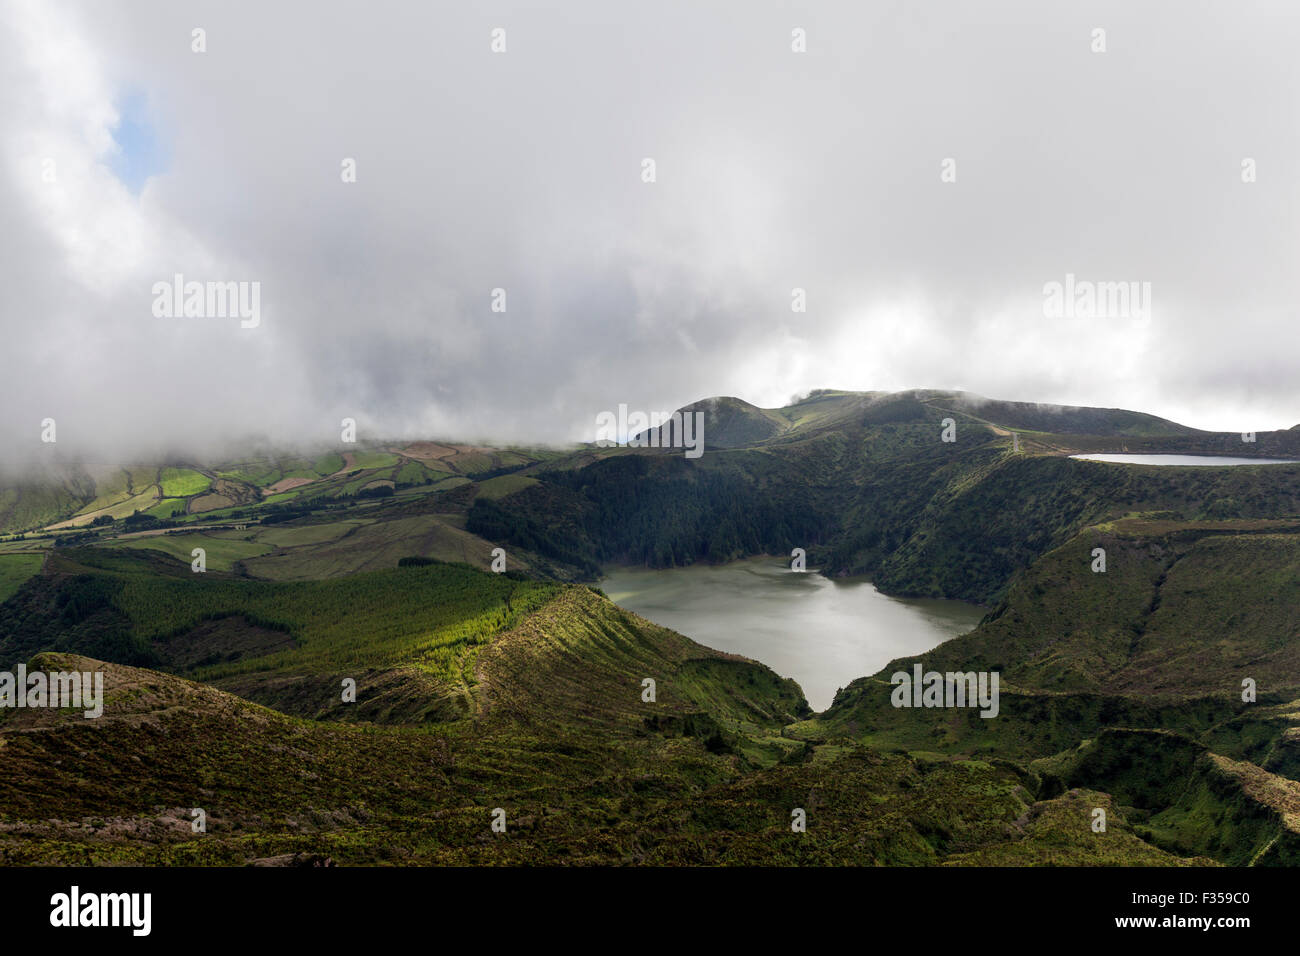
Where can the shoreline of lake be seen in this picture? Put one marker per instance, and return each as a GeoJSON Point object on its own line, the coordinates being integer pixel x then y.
{"type": "Point", "coordinates": [822, 632]}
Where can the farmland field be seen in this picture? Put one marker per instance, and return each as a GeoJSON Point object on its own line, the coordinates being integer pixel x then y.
{"type": "Point", "coordinates": [183, 482]}
{"type": "Point", "coordinates": [504, 485]}
{"type": "Point", "coordinates": [14, 570]}
{"type": "Point", "coordinates": [222, 553]}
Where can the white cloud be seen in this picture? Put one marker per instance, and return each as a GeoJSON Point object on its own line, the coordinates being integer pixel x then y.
{"type": "Point", "coordinates": [521, 171]}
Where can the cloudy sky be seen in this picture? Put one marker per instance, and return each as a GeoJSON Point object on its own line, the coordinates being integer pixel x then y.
{"type": "Point", "coordinates": [127, 158]}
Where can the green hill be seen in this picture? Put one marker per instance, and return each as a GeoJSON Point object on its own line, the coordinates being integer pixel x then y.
{"type": "Point", "coordinates": [553, 727]}
{"type": "Point", "coordinates": [727, 423]}
{"type": "Point", "coordinates": [864, 483]}
{"type": "Point", "coordinates": [1119, 690]}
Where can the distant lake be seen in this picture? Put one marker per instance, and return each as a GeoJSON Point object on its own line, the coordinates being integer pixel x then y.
{"type": "Point", "coordinates": [1185, 460]}
{"type": "Point", "coordinates": [822, 632]}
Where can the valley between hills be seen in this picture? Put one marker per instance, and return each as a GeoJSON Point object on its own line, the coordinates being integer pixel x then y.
{"type": "Point", "coordinates": [524, 691]}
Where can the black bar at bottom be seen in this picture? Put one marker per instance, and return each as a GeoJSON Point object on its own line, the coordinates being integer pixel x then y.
{"type": "Point", "coordinates": [944, 906]}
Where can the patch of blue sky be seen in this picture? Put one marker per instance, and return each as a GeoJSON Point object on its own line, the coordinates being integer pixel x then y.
{"type": "Point", "coordinates": [139, 154]}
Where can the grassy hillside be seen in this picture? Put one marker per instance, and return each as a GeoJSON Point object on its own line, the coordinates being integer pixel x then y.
{"type": "Point", "coordinates": [478, 691]}
{"type": "Point", "coordinates": [1120, 690]}
{"type": "Point", "coordinates": [866, 485]}
{"type": "Point", "coordinates": [625, 783]}
{"type": "Point", "coordinates": [14, 570]}
{"type": "Point", "coordinates": [289, 644]}
{"type": "Point", "coordinates": [727, 423]}
{"type": "Point", "coordinates": [1181, 796]}
{"type": "Point", "coordinates": [1183, 609]}
{"type": "Point", "coordinates": [861, 481]}
{"type": "Point", "coordinates": [1130, 682]}
{"type": "Point", "coordinates": [60, 495]}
